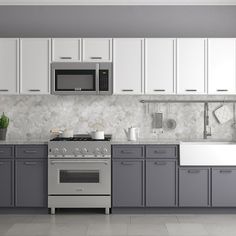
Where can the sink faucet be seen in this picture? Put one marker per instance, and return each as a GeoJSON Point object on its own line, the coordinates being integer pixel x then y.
{"type": "Point", "coordinates": [207, 128]}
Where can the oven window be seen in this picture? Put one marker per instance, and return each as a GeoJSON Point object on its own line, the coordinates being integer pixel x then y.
{"type": "Point", "coordinates": [79, 176]}
{"type": "Point", "coordinates": [75, 80]}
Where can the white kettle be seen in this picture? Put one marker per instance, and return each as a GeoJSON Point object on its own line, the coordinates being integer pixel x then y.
{"type": "Point", "coordinates": [132, 133]}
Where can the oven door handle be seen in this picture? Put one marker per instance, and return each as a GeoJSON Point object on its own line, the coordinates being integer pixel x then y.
{"type": "Point", "coordinates": [55, 162]}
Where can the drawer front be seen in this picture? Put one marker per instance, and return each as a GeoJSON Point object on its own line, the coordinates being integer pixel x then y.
{"type": "Point", "coordinates": [31, 151]}
{"type": "Point", "coordinates": [128, 151]}
{"type": "Point", "coordinates": [6, 151]}
{"type": "Point", "coordinates": [161, 151]}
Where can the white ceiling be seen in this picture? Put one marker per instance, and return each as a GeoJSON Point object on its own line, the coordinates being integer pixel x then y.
{"type": "Point", "coordinates": [117, 2]}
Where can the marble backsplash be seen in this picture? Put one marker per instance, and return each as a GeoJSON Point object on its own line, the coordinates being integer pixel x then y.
{"type": "Point", "coordinates": [34, 116]}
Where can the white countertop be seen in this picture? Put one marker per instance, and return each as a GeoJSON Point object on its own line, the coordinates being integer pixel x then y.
{"type": "Point", "coordinates": [23, 141]}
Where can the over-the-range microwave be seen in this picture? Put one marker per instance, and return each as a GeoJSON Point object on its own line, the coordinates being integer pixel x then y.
{"type": "Point", "coordinates": [80, 78]}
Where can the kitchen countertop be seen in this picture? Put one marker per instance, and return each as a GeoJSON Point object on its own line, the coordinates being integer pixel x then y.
{"type": "Point", "coordinates": [23, 141]}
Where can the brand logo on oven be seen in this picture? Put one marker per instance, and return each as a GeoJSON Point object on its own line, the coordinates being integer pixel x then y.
{"type": "Point", "coordinates": [78, 89]}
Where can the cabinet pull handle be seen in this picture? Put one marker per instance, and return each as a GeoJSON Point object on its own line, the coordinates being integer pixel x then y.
{"type": "Point", "coordinates": [159, 152]}
{"type": "Point", "coordinates": [191, 90]}
{"type": "Point", "coordinates": [66, 58]}
{"type": "Point", "coordinates": [126, 152]}
{"type": "Point", "coordinates": [159, 90]}
{"type": "Point", "coordinates": [1, 151]}
{"type": "Point", "coordinates": [193, 171]}
{"type": "Point", "coordinates": [34, 90]}
{"type": "Point", "coordinates": [28, 151]}
{"type": "Point", "coordinates": [126, 163]}
{"type": "Point", "coordinates": [225, 171]}
{"type": "Point", "coordinates": [95, 58]}
{"type": "Point", "coordinates": [4, 90]}
{"type": "Point", "coordinates": [222, 90]}
{"type": "Point", "coordinates": [30, 163]}
{"type": "Point", "coordinates": [1, 163]}
{"type": "Point", "coordinates": [160, 163]}
{"type": "Point", "coordinates": [127, 90]}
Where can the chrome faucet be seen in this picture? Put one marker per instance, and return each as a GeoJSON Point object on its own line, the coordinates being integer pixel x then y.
{"type": "Point", "coordinates": [207, 128]}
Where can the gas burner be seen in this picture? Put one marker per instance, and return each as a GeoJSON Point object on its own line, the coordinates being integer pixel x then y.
{"type": "Point", "coordinates": [82, 137]}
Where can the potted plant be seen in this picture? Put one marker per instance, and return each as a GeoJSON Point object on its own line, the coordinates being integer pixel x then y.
{"type": "Point", "coordinates": [4, 122]}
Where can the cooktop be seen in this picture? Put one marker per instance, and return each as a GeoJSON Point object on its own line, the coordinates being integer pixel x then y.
{"type": "Point", "coordinates": [82, 137]}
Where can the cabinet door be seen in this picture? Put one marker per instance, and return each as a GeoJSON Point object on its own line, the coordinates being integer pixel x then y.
{"type": "Point", "coordinates": [31, 183]}
{"type": "Point", "coordinates": [194, 187]}
{"type": "Point", "coordinates": [34, 65]}
{"type": "Point", "coordinates": [128, 183]}
{"type": "Point", "coordinates": [159, 66]}
{"type": "Point", "coordinates": [223, 187]}
{"type": "Point", "coordinates": [97, 49]}
{"type": "Point", "coordinates": [66, 49]}
{"type": "Point", "coordinates": [6, 183]}
{"type": "Point", "coordinates": [160, 183]}
{"type": "Point", "coordinates": [221, 66]}
{"type": "Point", "coordinates": [128, 66]}
{"type": "Point", "coordinates": [191, 66]}
{"type": "Point", "coordinates": [9, 66]}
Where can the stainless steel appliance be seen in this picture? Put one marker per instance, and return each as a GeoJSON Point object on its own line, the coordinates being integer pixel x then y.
{"type": "Point", "coordinates": [79, 173]}
{"type": "Point", "coordinates": [81, 78]}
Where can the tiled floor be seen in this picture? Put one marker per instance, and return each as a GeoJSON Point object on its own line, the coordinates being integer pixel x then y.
{"type": "Point", "coordinates": [65, 224]}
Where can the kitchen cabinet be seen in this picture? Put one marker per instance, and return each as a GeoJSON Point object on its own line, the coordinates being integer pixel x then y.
{"type": "Point", "coordinates": [97, 49]}
{"type": "Point", "coordinates": [191, 63]}
{"type": "Point", "coordinates": [224, 187]}
{"type": "Point", "coordinates": [161, 183]}
{"type": "Point", "coordinates": [128, 183]}
{"type": "Point", "coordinates": [194, 187]}
{"type": "Point", "coordinates": [35, 57]}
{"type": "Point", "coordinates": [30, 192]}
{"type": "Point", "coordinates": [128, 65]}
{"type": "Point", "coordinates": [221, 66]}
{"type": "Point", "coordinates": [9, 66]}
{"type": "Point", "coordinates": [66, 49]}
{"type": "Point", "coordinates": [6, 182]}
{"type": "Point", "coordinates": [159, 66]}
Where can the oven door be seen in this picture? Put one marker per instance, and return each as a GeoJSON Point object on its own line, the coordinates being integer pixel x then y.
{"type": "Point", "coordinates": [79, 177]}
{"type": "Point", "coordinates": [75, 78]}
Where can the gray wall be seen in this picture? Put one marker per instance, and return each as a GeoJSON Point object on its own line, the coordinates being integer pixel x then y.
{"type": "Point", "coordinates": [117, 21]}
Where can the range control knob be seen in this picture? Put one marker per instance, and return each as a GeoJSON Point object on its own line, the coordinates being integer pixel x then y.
{"type": "Point", "coordinates": [84, 151]}
{"type": "Point", "coordinates": [63, 150]}
{"type": "Point", "coordinates": [77, 151]}
{"type": "Point", "coordinates": [55, 151]}
{"type": "Point", "coordinates": [104, 151]}
{"type": "Point", "coordinates": [97, 150]}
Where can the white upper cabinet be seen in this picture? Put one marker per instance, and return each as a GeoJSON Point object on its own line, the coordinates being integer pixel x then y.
{"type": "Point", "coordinates": [159, 66]}
{"type": "Point", "coordinates": [221, 66]}
{"type": "Point", "coordinates": [191, 64]}
{"type": "Point", "coordinates": [97, 49]}
{"type": "Point", "coordinates": [128, 63]}
{"type": "Point", "coordinates": [35, 65]}
{"type": "Point", "coordinates": [9, 66]}
{"type": "Point", "coordinates": [66, 49]}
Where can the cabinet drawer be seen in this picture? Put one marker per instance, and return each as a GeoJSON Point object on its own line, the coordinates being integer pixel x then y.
{"type": "Point", "coordinates": [127, 151]}
{"type": "Point", "coordinates": [161, 151]}
{"type": "Point", "coordinates": [31, 151]}
{"type": "Point", "coordinates": [6, 151]}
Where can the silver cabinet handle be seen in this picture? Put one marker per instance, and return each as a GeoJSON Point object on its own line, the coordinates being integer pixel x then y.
{"type": "Point", "coordinates": [159, 152]}
{"type": "Point", "coordinates": [1, 151]}
{"type": "Point", "coordinates": [28, 151]}
{"type": "Point", "coordinates": [193, 171]}
{"type": "Point", "coordinates": [29, 163]}
{"type": "Point", "coordinates": [126, 152]}
{"type": "Point", "coordinates": [222, 90]}
{"type": "Point", "coordinates": [34, 90]}
{"type": "Point", "coordinates": [159, 90]}
{"type": "Point", "coordinates": [225, 171]}
{"type": "Point", "coordinates": [65, 58]}
{"type": "Point", "coordinates": [191, 90]}
{"type": "Point", "coordinates": [1, 163]}
{"type": "Point", "coordinates": [95, 58]}
{"type": "Point", "coordinates": [124, 163]}
{"type": "Point", "coordinates": [160, 163]}
{"type": "Point", "coordinates": [127, 90]}
{"type": "Point", "coordinates": [55, 162]}
{"type": "Point", "coordinates": [4, 90]}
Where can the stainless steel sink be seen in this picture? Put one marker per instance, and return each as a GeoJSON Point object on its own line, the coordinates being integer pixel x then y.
{"type": "Point", "coordinates": [208, 153]}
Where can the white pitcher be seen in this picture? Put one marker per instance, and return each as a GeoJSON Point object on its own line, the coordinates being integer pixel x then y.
{"type": "Point", "coordinates": [132, 133]}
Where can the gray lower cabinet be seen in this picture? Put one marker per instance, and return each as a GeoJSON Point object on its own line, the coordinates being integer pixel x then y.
{"type": "Point", "coordinates": [194, 187]}
{"type": "Point", "coordinates": [224, 187]}
{"type": "Point", "coordinates": [128, 183]}
{"type": "Point", "coordinates": [161, 183]}
{"type": "Point", "coordinates": [30, 183]}
{"type": "Point", "coordinates": [6, 183]}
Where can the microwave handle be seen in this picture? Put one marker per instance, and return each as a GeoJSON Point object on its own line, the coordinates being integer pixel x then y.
{"type": "Point", "coordinates": [97, 78]}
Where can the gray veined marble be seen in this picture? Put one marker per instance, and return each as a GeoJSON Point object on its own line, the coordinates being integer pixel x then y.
{"type": "Point", "coordinates": [31, 117]}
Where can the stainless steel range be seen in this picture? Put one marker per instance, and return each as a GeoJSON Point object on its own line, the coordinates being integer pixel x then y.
{"type": "Point", "coordinates": [79, 173]}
